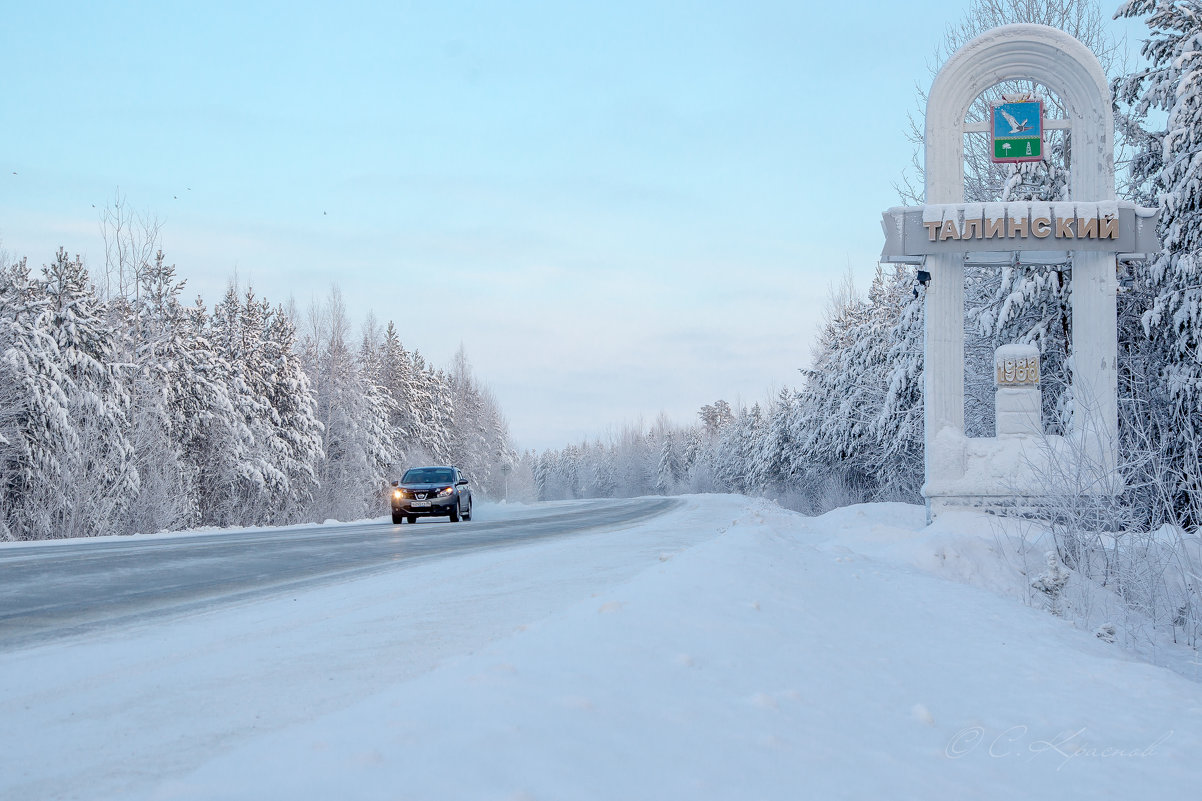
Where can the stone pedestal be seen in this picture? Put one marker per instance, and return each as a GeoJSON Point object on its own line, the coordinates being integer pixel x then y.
{"type": "Point", "coordinates": [1018, 400]}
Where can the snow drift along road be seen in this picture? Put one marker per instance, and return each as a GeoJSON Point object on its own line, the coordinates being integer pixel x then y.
{"type": "Point", "coordinates": [727, 649]}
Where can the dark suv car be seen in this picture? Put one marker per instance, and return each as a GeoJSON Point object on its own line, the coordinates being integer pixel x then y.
{"type": "Point", "coordinates": [431, 492]}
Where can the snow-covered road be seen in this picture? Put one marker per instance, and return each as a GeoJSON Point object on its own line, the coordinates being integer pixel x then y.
{"type": "Point", "coordinates": [727, 649]}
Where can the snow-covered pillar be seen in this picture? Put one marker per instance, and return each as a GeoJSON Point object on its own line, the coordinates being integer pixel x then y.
{"type": "Point", "coordinates": [943, 334]}
{"type": "Point", "coordinates": [1095, 359]}
{"type": "Point", "coordinates": [1017, 401]}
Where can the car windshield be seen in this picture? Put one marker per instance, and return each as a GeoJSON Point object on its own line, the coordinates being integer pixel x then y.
{"type": "Point", "coordinates": [428, 475]}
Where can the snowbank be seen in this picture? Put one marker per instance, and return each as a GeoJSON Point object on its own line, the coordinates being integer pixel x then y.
{"type": "Point", "coordinates": [727, 650]}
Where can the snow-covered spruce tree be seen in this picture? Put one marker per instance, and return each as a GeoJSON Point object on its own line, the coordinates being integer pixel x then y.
{"type": "Point", "coordinates": [467, 446]}
{"type": "Point", "coordinates": [100, 475]}
{"type": "Point", "coordinates": [899, 425]}
{"type": "Point", "coordinates": [35, 426]}
{"type": "Point", "coordinates": [543, 468]}
{"type": "Point", "coordinates": [569, 472]}
{"type": "Point", "coordinates": [735, 455]}
{"type": "Point", "coordinates": [443, 409]}
{"type": "Point", "coordinates": [769, 471]}
{"type": "Point", "coordinates": [896, 300]}
{"type": "Point", "coordinates": [166, 492]}
{"type": "Point", "coordinates": [296, 426]}
{"type": "Point", "coordinates": [669, 471]}
{"type": "Point", "coordinates": [398, 382]}
{"type": "Point", "coordinates": [236, 331]}
{"type": "Point", "coordinates": [1172, 167]}
{"type": "Point", "coordinates": [556, 486]}
{"type": "Point", "coordinates": [256, 321]}
{"type": "Point", "coordinates": [1149, 447]}
{"type": "Point", "coordinates": [842, 395]}
{"type": "Point", "coordinates": [856, 423]}
{"type": "Point", "coordinates": [703, 454]}
{"type": "Point", "coordinates": [357, 441]}
{"type": "Point", "coordinates": [815, 454]}
{"type": "Point", "coordinates": [432, 411]}
{"type": "Point", "coordinates": [421, 404]}
{"type": "Point", "coordinates": [694, 448]}
{"type": "Point", "coordinates": [163, 501]}
{"type": "Point", "coordinates": [480, 436]}
{"type": "Point", "coordinates": [588, 458]}
{"type": "Point", "coordinates": [501, 456]}
{"type": "Point", "coordinates": [604, 473]}
{"type": "Point", "coordinates": [210, 409]}
{"type": "Point", "coordinates": [374, 374]}
{"type": "Point", "coordinates": [634, 455]}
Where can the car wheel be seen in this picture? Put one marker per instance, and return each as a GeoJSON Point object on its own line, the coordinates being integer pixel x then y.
{"type": "Point", "coordinates": [397, 519]}
{"type": "Point", "coordinates": [455, 513]}
{"type": "Point", "coordinates": [468, 514]}
{"type": "Point", "coordinates": [412, 520]}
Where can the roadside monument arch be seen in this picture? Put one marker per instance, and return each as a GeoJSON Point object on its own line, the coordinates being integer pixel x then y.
{"type": "Point", "coordinates": [1090, 229]}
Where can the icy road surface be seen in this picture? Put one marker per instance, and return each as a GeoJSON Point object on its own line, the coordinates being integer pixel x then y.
{"type": "Point", "coordinates": [725, 649]}
{"type": "Point", "coordinates": [57, 589]}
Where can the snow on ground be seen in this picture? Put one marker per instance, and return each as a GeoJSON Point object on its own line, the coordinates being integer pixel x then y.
{"type": "Point", "coordinates": [729, 649]}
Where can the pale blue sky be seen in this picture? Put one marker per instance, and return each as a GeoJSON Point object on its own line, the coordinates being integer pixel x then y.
{"type": "Point", "coordinates": [619, 208]}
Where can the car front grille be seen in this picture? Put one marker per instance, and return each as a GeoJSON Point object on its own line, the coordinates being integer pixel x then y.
{"type": "Point", "coordinates": [419, 495]}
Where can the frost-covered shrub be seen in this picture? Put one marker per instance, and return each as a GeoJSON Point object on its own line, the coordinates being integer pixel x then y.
{"type": "Point", "coordinates": [1051, 582]}
{"type": "Point", "coordinates": [1105, 565]}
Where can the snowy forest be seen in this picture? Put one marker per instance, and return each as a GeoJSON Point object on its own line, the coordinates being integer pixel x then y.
{"type": "Point", "coordinates": [852, 430]}
{"type": "Point", "coordinates": [126, 409]}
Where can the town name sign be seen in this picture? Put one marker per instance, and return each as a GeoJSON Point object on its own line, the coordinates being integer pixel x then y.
{"type": "Point", "coordinates": [1116, 226]}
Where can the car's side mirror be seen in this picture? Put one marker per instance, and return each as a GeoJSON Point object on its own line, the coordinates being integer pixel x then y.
{"type": "Point", "coordinates": [462, 481]}
{"type": "Point", "coordinates": [396, 483]}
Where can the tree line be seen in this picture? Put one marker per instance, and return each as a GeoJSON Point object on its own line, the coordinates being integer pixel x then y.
{"type": "Point", "coordinates": [853, 429]}
{"type": "Point", "coordinates": [125, 409]}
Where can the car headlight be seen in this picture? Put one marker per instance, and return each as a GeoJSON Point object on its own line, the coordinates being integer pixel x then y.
{"type": "Point", "coordinates": [397, 494]}
{"type": "Point", "coordinates": [442, 493]}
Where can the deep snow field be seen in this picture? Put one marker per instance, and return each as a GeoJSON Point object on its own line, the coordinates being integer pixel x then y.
{"type": "Point", "coordinates": [726, 650]}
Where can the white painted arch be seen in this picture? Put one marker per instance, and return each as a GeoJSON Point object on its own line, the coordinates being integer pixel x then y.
{"type": "Point", "coordinates": [1021, 52]}
{"type": "Point", "coordinates": [1065, 66]}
